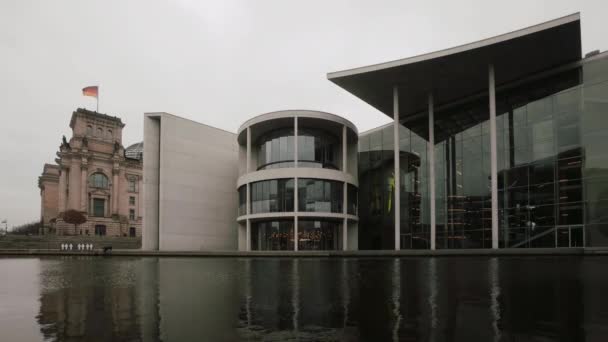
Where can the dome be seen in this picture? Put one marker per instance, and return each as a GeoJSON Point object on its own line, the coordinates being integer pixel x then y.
{"type": "Point", "coordinates": [135, 151]}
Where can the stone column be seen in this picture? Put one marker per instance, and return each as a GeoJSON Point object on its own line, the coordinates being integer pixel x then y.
{"type": "Point", "coordinates": [344, 150]}
{"type": "Point", "coordinates": [74, 185]}
{"type": "Point", "coordinates": [397, 186]}
{"type": "Point", "coordinates": [115, 173]}
{"type": "Point", "coordinates": [83, 185]}
{"type": "Point", "coordinates": [62, 187]}
{"type": "Point", "coordinates": [493, 156]}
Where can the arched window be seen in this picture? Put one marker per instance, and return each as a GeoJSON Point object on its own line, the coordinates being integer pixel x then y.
{"type": "Point", "coordinates": [99, 132]}
{"type": "Point", "coordinates": [109, 134]}
{"type": "Point", "coordinates": [89, 130]}
{"type": "Point", "coordinates": [98, 180]}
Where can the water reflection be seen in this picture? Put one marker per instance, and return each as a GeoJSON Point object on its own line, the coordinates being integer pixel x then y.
{"type": "Point", "coordinates": [430, 299]}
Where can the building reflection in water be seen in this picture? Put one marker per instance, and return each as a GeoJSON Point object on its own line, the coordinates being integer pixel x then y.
{"type": "Point", "coordinates": [431, 299]}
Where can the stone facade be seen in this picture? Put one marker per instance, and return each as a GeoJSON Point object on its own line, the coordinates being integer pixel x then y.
{"type": "Point", "coordinates": [95, 175]}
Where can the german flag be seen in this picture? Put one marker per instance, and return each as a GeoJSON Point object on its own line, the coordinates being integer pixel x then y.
{"type": "Point", "coordinates": [91, 91]}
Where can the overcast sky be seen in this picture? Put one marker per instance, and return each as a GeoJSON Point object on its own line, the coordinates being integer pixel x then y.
{"type": "Point", "coordinates": [216, 62]}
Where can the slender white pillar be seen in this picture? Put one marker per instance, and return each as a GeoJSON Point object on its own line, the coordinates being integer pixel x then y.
{"type": "Point", "coordinates": [248, 212]}
{"type": "Point", "coordinates": [249, 149]}
{"type": "Point", "coordinates": [397, 186]}
{"type": "Point", "coordinates": [345, 224]}
{"type": "Point", "coordinates": [248, 238]}
{"type": "Point", "coordinates": [431, 149]}
{"type": "Point", "coordinates": [295, 141]}
{"type": "Point", "coordinates": [344, 150]}
{"type": "Point", "coordinates": [295, 214]}
{"type": "Point", "coordinates": [493, 157]}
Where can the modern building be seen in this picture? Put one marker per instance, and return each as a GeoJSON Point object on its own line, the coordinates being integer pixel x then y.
{"type": "Point", "coordinates": [494, 144]}
{"type": "Point", "coordinates": [297, 178]}
{"type": "Point", "coordinates": [501, 143]}
{"type": "Point", "coordinates": [95, 175]}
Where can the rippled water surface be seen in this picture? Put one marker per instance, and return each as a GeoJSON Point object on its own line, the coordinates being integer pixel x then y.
{"type": "Point", "coordinates": [214, 299]}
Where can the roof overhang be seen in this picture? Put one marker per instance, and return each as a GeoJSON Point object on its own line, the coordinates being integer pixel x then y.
{"type": "Point", "coordinates": [462, 71]}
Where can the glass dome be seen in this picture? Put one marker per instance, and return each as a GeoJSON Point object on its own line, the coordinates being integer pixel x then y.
{"type": "Point", "coordinates": [135, 151]}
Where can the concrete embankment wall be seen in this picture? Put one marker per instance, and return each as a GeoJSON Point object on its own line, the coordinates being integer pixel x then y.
{"type": "Point", "coordinates": [532, 252]}
{"type": "Point", "coordinates": [53, 242]}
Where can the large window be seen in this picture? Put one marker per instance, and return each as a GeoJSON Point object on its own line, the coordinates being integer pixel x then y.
{"type": "Point", "coordinates": [318, 235]}
{"type": "Point", "coordinates": [272, 236]}
{"type": "Point", "coordinates": [317, 148]}
{"type": "Point", "coordinates": [99, 207]}
{"type": "Point", "coordinates": [243, 200]}
{"type": "Point", "coordinates": [276, 149]}
{"type": "Point", "coordinates": [320, 195]}
{"type": "Point", "coordinates": [98, 180]}
{"type": "Point", "coordinates": [352, 201]}
{"type": "Point", "coordinates": [272, 196]}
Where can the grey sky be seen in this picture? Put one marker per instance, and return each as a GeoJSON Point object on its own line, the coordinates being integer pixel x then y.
{"type": "Point", "coordinates": [217, 62]}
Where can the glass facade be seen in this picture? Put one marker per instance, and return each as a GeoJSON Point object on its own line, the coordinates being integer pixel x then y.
{"type": "Point", "coordinates": [318, 149]}
{"type": "Point", "coordinates": [318, 195]}
{"type": "Point", "coordinates": [272, 196]}
{"type": "Point", "coordinates": [377, 190]}
{"type": "Point", "coordinates": [352, 200]}
{"type": "Point", "coordinates": [243, 200]}
{"type": "Point", "coordinates": [318, 235]}
{"type": "Point", "coordinates": [276, 149]}
{"type": "Point", "coordinates": [272, 236]}
{"type": "Point", "coordinates": [552, 170]}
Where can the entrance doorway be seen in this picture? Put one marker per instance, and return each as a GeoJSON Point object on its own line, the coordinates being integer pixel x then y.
{"type": "Point", "coordinates": [132, 232]}
{"type": "Point", "coordinates": [570, 236]}
{"type": "Point", "coordinates": [100, 230]}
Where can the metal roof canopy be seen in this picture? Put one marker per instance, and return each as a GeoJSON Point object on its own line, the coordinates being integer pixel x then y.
{"type": "Point", "coordinates": [462, 71]}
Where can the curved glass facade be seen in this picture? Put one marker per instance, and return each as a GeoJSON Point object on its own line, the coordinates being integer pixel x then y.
{"type": "Point", "coordinates": [272, 196]}
{"type": "Point", "coordinates": [276, 149]}
{"type": "Point", "coordinates": [318, 195]}
{"type": "Point", "coordinates": [318, 149]}
{"type": "Point", "coordinates": [352, 200]}
{"type": "Point", "coordinates": [272, 236]}
{"type": "Point", "coordinates": [243, 200]}
{"type": "Point", "coordinates": [318, 235]}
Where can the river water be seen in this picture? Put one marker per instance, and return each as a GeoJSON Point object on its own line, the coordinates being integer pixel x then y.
{"type": "Point", "coordinates": [558, 298]}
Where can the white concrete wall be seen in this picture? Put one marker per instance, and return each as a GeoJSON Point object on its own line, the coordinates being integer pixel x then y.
{"type": "Point", "coordinates": [198, 170]}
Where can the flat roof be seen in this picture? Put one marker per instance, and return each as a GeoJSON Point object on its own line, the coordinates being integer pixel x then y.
{"type": "Point", "coordinates": [462, 71]}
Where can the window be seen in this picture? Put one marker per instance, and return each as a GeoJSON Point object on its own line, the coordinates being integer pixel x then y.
{"type": "Point", "coordinates": [320, 195]}
{"type": "Point", "coordinates": [275, 149]}
{"type": "Point", "coordinates": [99, 205]}
{"type": "Point", "coordinates": [131, 214]}
{"type": "Point", "coordinates": [243, 200]}
{"type": "Point", "coordinates": [131, 200]}
{"type": "Point", "coordinates": [99, 132]}
{"type": "Point", "coordinates": [98, 180]}
{"type": "Point", "coordinates": [132, 186]}
{"type": "Point", "coordinates": [89, 130]}
{"type": "Point", "coordinates": [109, 134]}
{"type": "Point", "coordinates": [272, 196]}
{"type": "Point", "coordinates": [132, 232]}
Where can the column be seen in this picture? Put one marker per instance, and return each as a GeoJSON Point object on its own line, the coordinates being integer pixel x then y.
{"type": "Point", "coordinates": [295, 141]}
{"type": "Point", "coordinates": [344, 150]}
{"type": "Point", "coordinates": [295, 214]}
{"type": "Point", "coordinates": [431, 154]}
{"type": "Point", "coordinates": [83, 185]}
{"type": "Point", "coordinates": [248, 149]}
{"type": "Point", "coordinates": [74, 185]}
{"type": "Point", "coordinates": [248, 209]}
{"type": "Point", "coordinates": [115, 173]}
{"type": "Point", "coordinates": [397, 188]}
{"type": "Point", "coordinates": [62, 187]}
{"type": "Point", "coordinates": [345, 224]}
{"type": "Point", "coordinates": [493, 160]}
